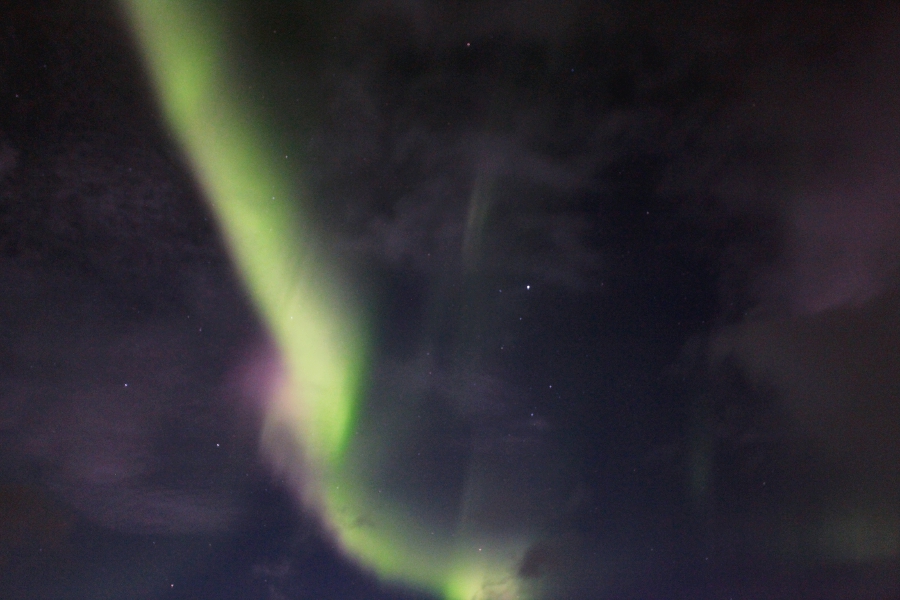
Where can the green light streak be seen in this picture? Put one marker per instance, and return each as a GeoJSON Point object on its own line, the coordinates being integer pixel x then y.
{"type": "Point", "coordinates": [257, 209]}
{"type": "Point", "coordinates": [292, 285]}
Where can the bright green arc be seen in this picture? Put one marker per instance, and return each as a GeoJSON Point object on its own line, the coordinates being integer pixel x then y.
{"type": "Point", "coordinates": [321, 341]}
{"type": "Point", "coordinates": [257, 207]}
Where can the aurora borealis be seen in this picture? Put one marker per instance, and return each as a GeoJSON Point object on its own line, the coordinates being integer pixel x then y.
{"type": "Point", "coordinates": [319, 336]}
{"type": "Point", "coordinates": [260, 214]}
{"type": "Point", "coordinates": [430, 300]}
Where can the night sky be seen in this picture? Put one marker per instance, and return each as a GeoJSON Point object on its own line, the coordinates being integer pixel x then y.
{"type": "Point", "coordinates": [625, 280]}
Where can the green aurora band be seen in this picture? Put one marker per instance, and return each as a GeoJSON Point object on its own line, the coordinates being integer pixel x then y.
{"type": "Point", "coordinates": [312, 428]}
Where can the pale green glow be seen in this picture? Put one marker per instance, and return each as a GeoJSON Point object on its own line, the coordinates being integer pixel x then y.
{"type": "Point", "coordinates": [256, 206]}
{"type": "Point", "coordinates": [259, 211]}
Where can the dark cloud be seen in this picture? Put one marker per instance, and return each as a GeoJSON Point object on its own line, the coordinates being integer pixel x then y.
{"type": "Point", "coordinates": [474, 146]}
{"type": "Point", "coordinates": [119, 321]}
{"type": "Point", "coordinates": [118, 210]}
{"type": "Point", "coordinates": [481, 202]}
{"type": "Point", "coordinates": [816, 333]}
{"type": "Point", "coordinates": [803, 141]}
{"type": "Point", "coordinates": [835, 377]}
{"type": "Point", "coordinates": [105, 407]}
{"type": "Point", "coordinates": [514, 112]}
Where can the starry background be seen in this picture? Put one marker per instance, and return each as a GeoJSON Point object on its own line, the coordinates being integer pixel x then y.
{"type": "Point", "coordinates": [638, 264]}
